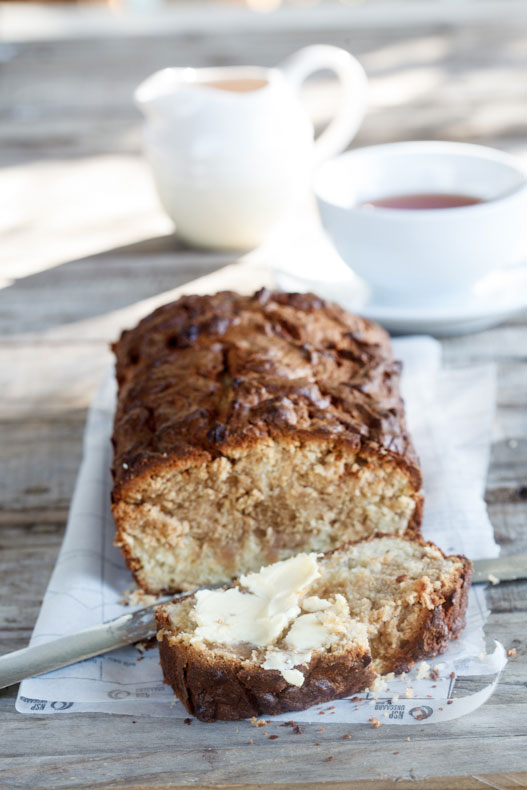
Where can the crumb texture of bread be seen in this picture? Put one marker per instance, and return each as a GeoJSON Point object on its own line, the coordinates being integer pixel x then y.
{"type": "Point", "coordinates": [251, 428]}
{"type": "Point", "coordinates": [404, 601]}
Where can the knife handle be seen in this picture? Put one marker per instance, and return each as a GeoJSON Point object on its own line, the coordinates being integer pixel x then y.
{"type": "Point", "coordinates": [38, 659]}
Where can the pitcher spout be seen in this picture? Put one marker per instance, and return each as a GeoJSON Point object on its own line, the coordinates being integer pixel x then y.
{"type": "Point", "coordinates": [154, 97]}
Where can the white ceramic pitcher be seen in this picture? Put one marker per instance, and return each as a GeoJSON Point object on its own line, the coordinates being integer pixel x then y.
{"type": "Point", "coordinates": [232, 149]}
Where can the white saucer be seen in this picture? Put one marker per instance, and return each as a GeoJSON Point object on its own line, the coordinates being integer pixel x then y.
{"type": "Point", "coordinates": [495, 298]}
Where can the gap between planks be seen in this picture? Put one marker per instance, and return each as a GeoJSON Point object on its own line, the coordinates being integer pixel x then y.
{"type": "Point", "coordinates": [512, 781]}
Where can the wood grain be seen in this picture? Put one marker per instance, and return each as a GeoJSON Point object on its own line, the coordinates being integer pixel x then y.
{"type": "Point", "coordinates": [87, 251]}
{"type": "Point", "coordinates": [496, 781]}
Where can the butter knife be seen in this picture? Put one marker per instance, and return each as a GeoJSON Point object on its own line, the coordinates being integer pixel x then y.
{"type": "Point", "coordinates": [139, 625]}
{"type": "Point", "coordinates": [66, 650]}
{"type": "Point", "coordinates": [500, 569]}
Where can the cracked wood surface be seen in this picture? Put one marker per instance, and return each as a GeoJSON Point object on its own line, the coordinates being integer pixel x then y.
{"type": "Point", "coordinates": [85, 243]}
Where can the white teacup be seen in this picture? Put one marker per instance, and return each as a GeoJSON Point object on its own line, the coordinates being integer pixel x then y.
{"type": "Point", "coordinates": [414, 256]}
{"type": "Point", "coordinates": [232, 149]}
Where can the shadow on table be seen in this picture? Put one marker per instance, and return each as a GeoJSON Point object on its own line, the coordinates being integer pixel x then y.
{"type": "Point", "coordinates": [101, 283]}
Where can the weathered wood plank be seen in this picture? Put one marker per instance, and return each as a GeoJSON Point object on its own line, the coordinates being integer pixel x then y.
{"type": "Point", "coordinates": [157, 758]}
{"type": "Point", "coordinates": [116, 216]}
{"type": "Point", "coordinates": [79, 290]}
{"type": "Point", "coordinates": [448, 81]}
{"type": "Point", "coordinates": [88, 287]}
{"type": "Point", "coordinates": [511, 781]}
{"type": "Point", "coordinates": [45, 75]}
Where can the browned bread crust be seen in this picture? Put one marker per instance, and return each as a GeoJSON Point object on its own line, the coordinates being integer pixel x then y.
{"type": "Point", "coordinates": [439, 625]}
{"type": "Point", "coordinates": [227, 690]}
{"type": "Point", "coordinates": [189, 384]}
{"type": "Point", "coordinates": [208, 377]}
{"type": "Point", "coordinates": [223, 688]}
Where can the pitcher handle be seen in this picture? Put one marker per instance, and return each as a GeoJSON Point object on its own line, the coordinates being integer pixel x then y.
{"type": "Point", "coordinates": [352, 104]}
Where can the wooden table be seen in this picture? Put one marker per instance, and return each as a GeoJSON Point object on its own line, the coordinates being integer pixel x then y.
{"type": "Point", "coordinates": [85, 241]}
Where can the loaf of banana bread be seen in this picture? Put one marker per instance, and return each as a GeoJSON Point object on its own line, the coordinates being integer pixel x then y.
{"type": "Point", "coordinates": [311, 629]}
{"type": "Point", "coordinates": [251, 428]}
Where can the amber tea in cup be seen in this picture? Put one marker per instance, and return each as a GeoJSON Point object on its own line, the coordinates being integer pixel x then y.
{"type": "Point", "coordinates": [411, 258]}
{"type": "Point", "coordinates": [423, 201]}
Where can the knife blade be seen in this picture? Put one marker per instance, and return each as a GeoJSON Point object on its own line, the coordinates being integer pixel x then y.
{"type": "Point", "coordinates": [139, 625]}
{"type": "Point", "coordinates": [500, 569]}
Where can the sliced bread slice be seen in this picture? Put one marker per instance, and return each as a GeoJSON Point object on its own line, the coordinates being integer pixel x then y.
{"type": "Point", "coordinates": [311, 629]}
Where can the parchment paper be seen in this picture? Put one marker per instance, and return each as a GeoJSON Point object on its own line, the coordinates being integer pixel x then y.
{"type": "Point", "coordinates": [450, 418]}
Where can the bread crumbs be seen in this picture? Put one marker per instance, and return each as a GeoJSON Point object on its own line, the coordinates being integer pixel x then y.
{"type": "Point", "coordinates": [375, 722]}
{"type": "Point", "coordinates": [511, 652]}
{"type": "Point", "coordinates": [379, 684]}
{"type": "Point", "coordinates": [257, 722]}
{"type": "Point", "coordinates": [134, 596]}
